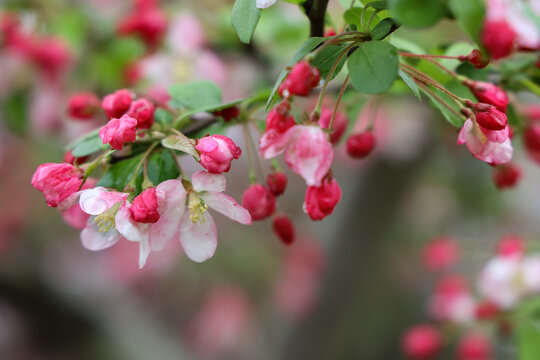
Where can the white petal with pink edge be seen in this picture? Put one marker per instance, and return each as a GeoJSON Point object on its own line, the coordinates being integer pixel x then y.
{"type": "Point", "coordinates": [205, 181]}
{"type": "Point", "coordinates": [198, 240]}
{"type": "Point", "coordinates": [263, 4]}
{"type": "Point", "coordinates": [93, 239]}
{"type": "Point", "coordinates": [227, 206]}
{"type": "Point", "coordinates": [171, 206]}
{"type": "Point", "coordinates": [98, 200]}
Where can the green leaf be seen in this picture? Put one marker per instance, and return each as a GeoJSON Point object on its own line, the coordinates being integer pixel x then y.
{"type": "Point", "coordinates": [89, 146]}
{"type": "Point", "coordinates": [182, 143]}
{"type": "Point", "coordinates": [456, 49]}
{"type": "Point", "coordinates": [514, 119]}
{"type": "Point", "coordinates": [469, 15]}
{"type": "Point", "coordinates": [244, 18]}
{"type": "Point", "coordinates": [419, 13]}
{"type": "Point", "coordinates": [209, 108]}
{"type": "Point", "coordinates": [452, 118]}
{"type": "Point", "coordinates": [308, 46]}
{"type": "Point", "coordinates": [15, 112]}
{"type": "Point", "coordinates": [163, 117]}
{"type": "Point", "coordinates": [325, 59]}
{"type": "Point", "coordinates": [527, 319]}
{"type": "Point", "coordinates": [353, 16]}
{"type": "Point", "coordinates": [373, 67]}
{"type": "Point", "coordinates": [162, 166]}
{"type": "Point", "coordinates": [383, 29]}
{"type": "Point", "coordinates": [119, 174]}
{"type": "Point", "coordinates": [196, 95]}
{"type": "Point", "coordinates": [379, 5]}
{"type": "Point", "coordinates": [410, 83]}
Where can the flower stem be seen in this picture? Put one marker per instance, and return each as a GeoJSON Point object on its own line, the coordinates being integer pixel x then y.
{"type": "Point", "coordinates": [430, 81]}
{"type": "Point", "coordinates": [131, 184]}
{"type": "Point", "coordinates": [338, 101]}
{"type": "Point", "coordinates": [436, 97]}
{"type": "Point", "coordinates": [421, 56]}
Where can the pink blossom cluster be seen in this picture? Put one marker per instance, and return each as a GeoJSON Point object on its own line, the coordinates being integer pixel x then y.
{"type": "Point", "coordinates": [505, 281]}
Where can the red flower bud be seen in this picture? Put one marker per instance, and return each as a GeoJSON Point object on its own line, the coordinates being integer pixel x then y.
{"type": "Point", "coordinates": [148, 22]}
{"type": "Point", "coordinates": [489, 93]}
{"type": "Point", "coordinates": [421, 342]}
{"type": "Point", "coordinates": [441, 252]}
{"type": "Point", "coordinates": [83, 105]}
{"type": "Point", "coordinates": [511, 245]}
{"type": "Point", "coordinates": [116, 104]}
{"type": "Point", "coordinates": [142, 110]}
{"type": "Point", "coordinates": [70, 159]}
{"type": "Point", "coordinates": [277, 182]}
{"type": "Point", "coordinates": [506, 176]}
{"type": "Point", "coordinates": [339, 126]}
{"type": "Point", "coordinates": [498, 38]}
{"type": "Point", "coordinates": [217, 153]}
{"type": "Point", "coordinates": [301, 80]}
{"type": "Point", "coordinates": [486, 310]}
{"type": "Point", "coordinates": [360, 145]}
{"type": "Point", "coordinates": [279, 118]}
{"type": "Point", "coordinates": [51, 55]}
{"type": "Point", "coordinates": [531, 137]}
{"type": "Point", "coordinates": [476, 59]}
{"type": "Point", "coordinates": [284, 229]}
{"type": "Point", "coordinates": [144, 208]}
{"type": "Point", "coordinates": [330, 32]}
{"type": "Point", "coordinates": [229, 113]}
{"type": "Point", "coordinates": [474, 346]}
{"type": "Point", "coordinates": [320, 201]}
{"type": "Point", "coordinates": [488, 117]}
{"type": "Point", "coordinates": [119, 131]}
{"type": "Point", "coordinates": [259, 202]}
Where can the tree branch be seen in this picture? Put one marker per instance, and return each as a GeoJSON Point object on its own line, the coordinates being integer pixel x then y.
{"type": "Point", "coordinates": [316, 12]}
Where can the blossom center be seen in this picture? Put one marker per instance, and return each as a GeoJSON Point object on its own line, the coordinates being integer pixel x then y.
{"type": "Point", "coordinates": [105, 220]}
{"type": "Point", "coordinates": [197, 208]}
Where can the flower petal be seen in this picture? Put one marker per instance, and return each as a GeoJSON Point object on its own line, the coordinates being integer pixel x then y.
{"type": "Point", "coordinates": [198, 240]}
{"type": "Point", "coordinates": [273, 143]}
{"type": "Point", "coordinates": [130, 229]}
{"type": "Point", "coordinates": [205, 181]}
{"type": "Point", "coordinates": [144, 251]}
{"type": "Point", "coordinates": [227, 206]}
{"type": "Point", "coordinates": [93, 239]}
{"type": "Point", "coordinates": [98, 200]}
{"type": "Point", "coordinates": [263, 4]}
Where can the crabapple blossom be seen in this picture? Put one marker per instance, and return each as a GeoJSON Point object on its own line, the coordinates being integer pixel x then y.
{"type": "Point", "coordinates": [511, 246]}
{"type": "Point", "coordinates": [50, 55]}
{"type": "Point", "coordinates": [452, 301]}
{"type": "Point", "coordinates": [259, 201]}
{"type": "Point", "coordinates": [263, 4]}
{"type": "Point", "coordinates": [489, 117]}
{"type": "Point", "coordinates": [422, 342]}
{"type": "Point", "coordinates": [142, 110]}
{"type": "Point", "coordinates": [283, 228]}
{"type": "Point", "coordinates": [320, 201]}
{"type": "Point", "coordinates": [339, 126]}
{"type": "Point", "coordinates": [73, 215]}
{"type": "Point", "coordinates": [144, 208]}
{"type": "Point", "coordinates": [486, 310]}
{"type": "Point", "coordinates": [506, 176]}
{"type": "Point", "coordinates": [498, 38]}
{"type": "Point", "coordinates": [83, 105]}
{"type": "Point", "coordinates": [360, 145]}
{"type": "Point", "coordinates": [117, 103]}
{"type": "Point", "coordinates": [146, 21]}
{"type": "Point", "coordinates": [307, 151]}
{"type": "Point", "coordinates": [493, 147]}
{"type": "Point", "coordinates": [489, 93]}
{"type": "Point", "coordinates": [276, 182]}
{"type": "Point", "coordinates": [301, 80]}
{"type": "Point", "coordinates": [57, 181]}
{"type": "Point", "coordinates": [474, 346]}
{"type": "Point", "coordinates": [117, 132]}
{"type": "Point", "coordinates": [217, 152]}
{"type": "Point", "coordinates": [440, 253]}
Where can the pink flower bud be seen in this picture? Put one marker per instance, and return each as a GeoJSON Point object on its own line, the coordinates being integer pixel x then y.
{"type": "Point", "coordinates": [57, 181]}
{"type": "Point", "coordinates": [476, 59]}
{"type": "Point", "coordinates": [301, 80]}
{"type": "Point", "coordinates": [360, 145]}
{"type": "Point", "coordinates": [217, 152]}
{"type": "Point", "coordinates": [489, 93]}
{"type": "Point", "coordinates": [320, 201]}
{"type": "Point", "coordinates": [259, 201]}
{"type": "Point", "coordinates": [486, 310]}
{"type": "Point", "coordinates": [284, 229]}
{"type": "Point", "coordinates": [279, 118]}
{"type": "Point", "coordinates": [117, 132]}
{"type": "Point", "coordinates": [277, 182]}
{"type": "Point", "coordinates": [451, 285]}
{"type": "Point", "coordinates": [531, 137]}
{"type": "Point", "coordinates": [339, 126]}
{"type": "Point", "coordinates": [83, 105]}
{"type": "Point", "coordinates": [142, 110]}
{"type": "Point", "coordinates": [498, 38]}
{"type": "Point", "coordinates": [474, 346]}
{"type": "Point", "coordinates": [51, 55]}
{"type": "Point", "coordinates": [488, 117]}
{"type": "Point", "coordinates": [511, 246]}
{"type": "Point", "coordinates": [144, 208]}
{"type": "Point", "coordinates": [117, 103]}
{"type": "Point", "coordinates": [440, 253]}
{"type": "Point", "coordinates": [148, 22]}
{"type": "Point", "coordinates": [70, 159]}
{"type": "Point", "coordinates": [506, 176]}
{"type": "Point", "coordinates": [421, 342]}
{"type": "Point", "coordinates": [229, 113]}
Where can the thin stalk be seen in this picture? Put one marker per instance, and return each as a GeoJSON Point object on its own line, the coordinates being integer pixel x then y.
{"type": "Point", "coordinates": [92, 166]}
{"type": "Point", "coordinates": [338, 101]}
{"type": "Point", "coordinates": [251, 163]}
{"type": "Point", "coordinates": [371, 19]}
{"type": "Point", "coordinates": [429, 81]}
{"type": "Point", "coordinates": [254, 149]}
{"type": "Point", "coordinates": [420, 56]}
{"type": "Point", "coordinates": [180, 170]}
{"type": "Point", "coordinates": [140, 164]}
{"type": "Point", "coordinates": [444, 68]}
{"type": "Point", "coordinates": [436, 97]}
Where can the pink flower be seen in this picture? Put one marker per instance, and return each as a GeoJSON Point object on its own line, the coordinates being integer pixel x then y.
{"type": "Point", "coordinates": [195, 227]}
{"type": "Point", "coordinates": [452, 301]}
{"type": "Point", "coordinates": [83, 105]}
{"type": "Point", "coordinates": [117, 103]}
{"type": "Point", "coordinates": [498, 281]}
{"type": "Point", "coordinates": [57, 181]}
{"type": "Point", "coordinates": [320, 201]}
{"type": "Point", "coordinates": [276, 182]}
{"type": "Point", "coordinates": [142, 110]}
{"type": "Point", "coordinates": [511, 246]}
{"type": "Point", "coordinates": [489, 93]}
{"type": "Point", "coordinates": [284, 229]}
{"type": "Point", "coordinates": [474, 346]}
{"type": "Point", "coordinates": [360, 145]}
{"type": "Point", "coordinates": [74, 216]}
{"type": "Point", "coordinates": [493, 147]}
{"type": "Point", "coordinates": [441, 252]}
{"type": "Point", "coordinates": [339, 126]}
{"type": "Point", "coordinates": [531, 138]}
{"type": "Point", "coordinates": [217, 152]}
{"type": "Point", "coordinates": [263, 4]}
{"type": "Point", "coordinates": [148, 22]}
{"type": "Point", "coordinates": [422, 342]}
{"type": "Point", "coordinates": [279, 118]}
{"type": "Point", "coordinates": [51, 55]}
{"type": "Point", "coordinates": [301, 80]}
{"type": "Point", "coordinates": [307, 151]}
{"type": "Point", "coordinates": [102, 205]}
{"type": "Point", "coordinates": [259, 201]}
{"type": "Point", "coordinates": [119, 131]}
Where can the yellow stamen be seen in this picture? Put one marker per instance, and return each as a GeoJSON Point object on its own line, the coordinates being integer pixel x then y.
{"type": "Point", "coordinates": [197, 208]}
{"type": "Point", "coordinates": [105, 220]}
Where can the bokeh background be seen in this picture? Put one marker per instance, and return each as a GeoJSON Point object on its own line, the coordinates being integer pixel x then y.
{"type": "Point", "coordinates": [346, 289]}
